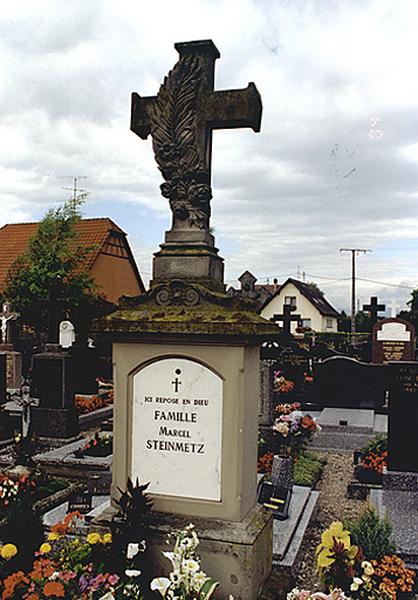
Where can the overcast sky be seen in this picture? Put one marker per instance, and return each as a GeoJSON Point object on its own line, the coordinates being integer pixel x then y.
{"type": "Point", "coordinates": [335, 164]}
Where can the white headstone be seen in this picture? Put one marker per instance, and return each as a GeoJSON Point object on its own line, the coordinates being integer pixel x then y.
{"type": "Point", "coordinates": [177, 429]}
{"type": "Point", "coordinates": [393, 331]}
{"type": "Point", "coordinates": [67, 334]}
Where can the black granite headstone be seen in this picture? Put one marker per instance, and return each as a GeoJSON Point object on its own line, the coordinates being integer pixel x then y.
{"type": "Point", "coordinates": [275, 495]}
{"type": "Point", "coordinates": [86, 368]}
{"type": "Point", "coordinates": [52, 379]}
{"type": "Point", "coordinates": [53, 383]}
{"type": "Point", "coordinates": [81, 502]}
{"type": "Point", "coordinates": [403, 417]}
{"type": "Point", "coordinates": [348, 383]}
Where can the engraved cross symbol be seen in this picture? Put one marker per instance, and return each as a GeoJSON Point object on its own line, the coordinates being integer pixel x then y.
{"type": "Point", "coordinates": [176, 384]}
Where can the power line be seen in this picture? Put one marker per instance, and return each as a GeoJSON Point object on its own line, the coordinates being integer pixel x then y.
{"type": "Point", "coordinates": [406, 287]}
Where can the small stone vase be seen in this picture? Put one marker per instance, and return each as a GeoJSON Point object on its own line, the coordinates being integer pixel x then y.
{"type": "Point", "coordinates": [282, 472]}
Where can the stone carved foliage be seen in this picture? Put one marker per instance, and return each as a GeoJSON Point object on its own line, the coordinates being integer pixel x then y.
{"type": "Point", "coordinates": [177, 293]}
{"type": "Point", "coordinates": [174, 129]}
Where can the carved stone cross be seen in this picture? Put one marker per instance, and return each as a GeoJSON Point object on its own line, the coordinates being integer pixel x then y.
{"type": "Point", "coordinates": [181, 119]}
{"type": "Point", "coordinates": [374, 308]}
{"type": "Point", "coordinates": [286, 317]}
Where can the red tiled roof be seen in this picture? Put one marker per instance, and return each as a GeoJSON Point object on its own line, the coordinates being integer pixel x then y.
{"type": "Point", "coordinates": [15, 237]}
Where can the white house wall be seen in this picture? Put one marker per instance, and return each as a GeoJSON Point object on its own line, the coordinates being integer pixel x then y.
{"type": "Point", "coordinates": [304, 308]}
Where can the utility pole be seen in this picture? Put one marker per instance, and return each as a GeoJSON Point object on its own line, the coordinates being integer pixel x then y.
{"type": "Point", "coordinates": [354, 252]}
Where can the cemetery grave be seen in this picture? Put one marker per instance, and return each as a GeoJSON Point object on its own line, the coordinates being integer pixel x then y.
{"type": "Point", "coordinates": [92, 495]}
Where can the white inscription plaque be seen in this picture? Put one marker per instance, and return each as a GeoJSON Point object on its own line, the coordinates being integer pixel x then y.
{"type": "Point", "coordinates": [394, 331]}
{"type": "Point", "coordinates": [177, 429]}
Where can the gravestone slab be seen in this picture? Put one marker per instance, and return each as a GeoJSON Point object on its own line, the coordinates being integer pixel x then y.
{"type": "Point", "coordinates": [403, 417]}
{"type": "Point", "coordinates": [347, 382]}
{"type": "Point", "coordinates": [340, 418]}
{"type": "Point", "coordinates": [177, 429]}
{"type": "Point", "coordinates": [266, 393]}
{"type": "Point", "coordinates": [85, 368]}
{"type": "Point", "coordinates": [13, 366]}
{"type": "Point", "coordinates": [52, 378]}
{"type": "Point", "coordinates": [393, 340]}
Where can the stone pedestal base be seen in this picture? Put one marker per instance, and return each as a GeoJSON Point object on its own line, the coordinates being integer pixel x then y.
{"type": "Point", "coordinates": [194, 260]}
{"type": "Point", "coordinates": [238, 555]}
{"type": "Point", "coordinates": [54, 422]}
{"type": "Point", "coordinates": [13, 366]}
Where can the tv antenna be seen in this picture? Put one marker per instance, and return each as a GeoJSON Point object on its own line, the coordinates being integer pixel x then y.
{"type": "Point", "coordinates": [74, 189]}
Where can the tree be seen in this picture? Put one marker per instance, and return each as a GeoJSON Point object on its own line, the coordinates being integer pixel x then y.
{"type": "Point", "coordinates": [54, 257]}
{"type": "Point", "coordinates": [364, 322]}
{"type": "Point", "coordinates": [411, 315]}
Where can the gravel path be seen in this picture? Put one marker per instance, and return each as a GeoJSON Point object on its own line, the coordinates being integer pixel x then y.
{"type": "Point", "coordinates": [333, 505]}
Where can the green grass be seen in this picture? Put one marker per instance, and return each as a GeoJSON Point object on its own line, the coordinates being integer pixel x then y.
{"type": "Point", "coordinates": [308, 468]}
{"type": "Point", "coordinates": [51, 487]}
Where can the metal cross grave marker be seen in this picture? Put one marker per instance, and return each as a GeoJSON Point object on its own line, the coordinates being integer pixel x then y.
{"type": "Point", "coordinates": [374, 308]}
{"type": "Point", "coordinates": [287, 317]}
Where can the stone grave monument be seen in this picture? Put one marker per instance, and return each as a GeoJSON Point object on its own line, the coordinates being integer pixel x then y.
{"type": "Point", "coordinates": [53, 382]}
{"type": "Point", "coordinates": [186, 354]}
{"type": "Point", "coordinates": [13, 358]}
{"type": "Point", "coordinates": [393, 340]}
{"type": "Point", "coordinates": [399, 498]}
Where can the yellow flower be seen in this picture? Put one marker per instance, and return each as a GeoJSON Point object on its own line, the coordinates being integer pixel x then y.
{"type": "Point", "coordinates": [93, 538]}
{"type": "Point", "coordinates": [45, 548]}
{"type": "Point", "coordinates": [8, 551]}
{"type": "Point", "coordinates": [336, 531]}
{"type": "Point", "coordinates": [107, 538]}
{"type": "Point", "coordinates": [53, 536]}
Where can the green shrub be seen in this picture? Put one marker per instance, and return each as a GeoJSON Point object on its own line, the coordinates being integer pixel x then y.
{"type": "Point", "coordinates": [372, 534]}
{"type": "Point", "coordinates": [308, 468]}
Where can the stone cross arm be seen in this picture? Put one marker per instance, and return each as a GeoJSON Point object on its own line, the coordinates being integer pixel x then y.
{"type": "Point", "coordinates": [223, 109]}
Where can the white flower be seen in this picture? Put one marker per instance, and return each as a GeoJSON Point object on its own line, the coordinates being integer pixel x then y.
{"type": "Point", "coordinates": [132, 550]}
{"type": "Point", "coordinates": [174, 558]}
{"type": "Point", "coordinates": [367, 567]}
{"type": "Point", "coordinates": [191, 565]}
{"type": "Point", "coordinates": [357, 582]}
{"type": "Point", "coordinates": [132, 572]}
{"type": "Point", "coordinates": [176, 577]}
{"type": "Point", "coordinates": [160, 584]}
{"type": "Point", "coordinates": [108, 596]}
{"type": "Point", "coordinates": [198, 580]}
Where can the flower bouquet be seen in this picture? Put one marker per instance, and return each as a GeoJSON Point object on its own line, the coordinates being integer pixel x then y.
{"type": "Point", "coordinates": [186, 580]}
{"type": "Point", "coordinates": [373, 459]}
{"type": "Point", "coordinates": [98, 445]}
{"type": "Point", "coordinates": [292, 430]}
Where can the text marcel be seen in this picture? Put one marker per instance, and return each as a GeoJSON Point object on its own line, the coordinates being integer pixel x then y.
{"type": "Point", "coordinates": [175, 446]}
